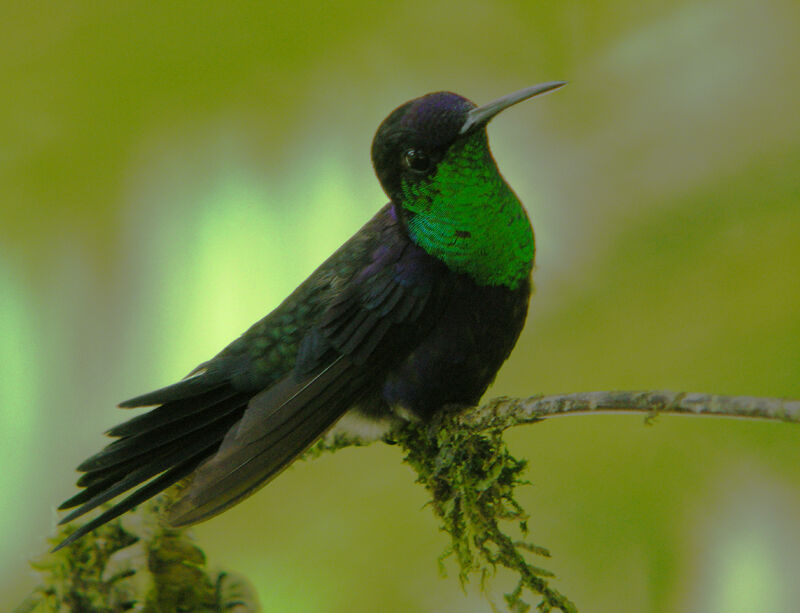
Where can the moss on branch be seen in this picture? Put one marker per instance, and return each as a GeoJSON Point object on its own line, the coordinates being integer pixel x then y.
{"type": "Point", "coordinates": [137, 563]}
{"type": "Point", "coordinates": [472, 477]}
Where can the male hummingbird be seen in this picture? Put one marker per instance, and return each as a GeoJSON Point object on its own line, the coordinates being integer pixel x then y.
{"type": "Point", "coordinates": [416, 311]}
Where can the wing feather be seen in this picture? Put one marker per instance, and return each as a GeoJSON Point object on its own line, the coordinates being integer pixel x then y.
{"type": "Point", "coordinates": [360, 312]}
{"type": "Point", "coordinates": [272, 433]}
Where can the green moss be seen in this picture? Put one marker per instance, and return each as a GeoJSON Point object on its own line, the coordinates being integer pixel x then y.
{"type": "Point", "coordinates": [138, 563]}
{"type": "Point", "coordinates": [472, 478]}
{"type": "Point", "coordinates": [134, 563]}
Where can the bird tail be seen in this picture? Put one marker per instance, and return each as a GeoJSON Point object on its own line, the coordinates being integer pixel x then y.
{"type": "Point", "coordinates": [157, 448]}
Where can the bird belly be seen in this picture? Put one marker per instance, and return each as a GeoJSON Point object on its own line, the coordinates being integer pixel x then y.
{"type": "Point", "coordinates": [458, 359]}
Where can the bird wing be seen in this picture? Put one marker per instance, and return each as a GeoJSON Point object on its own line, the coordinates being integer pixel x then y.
{"type": "Point", "coordinates": [242, 417]}
{"type": "Point", "coordinates": [365, 327]}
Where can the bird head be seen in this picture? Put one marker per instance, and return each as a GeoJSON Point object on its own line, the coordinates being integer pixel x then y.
{"type": "Point", "coordinates": [428, 134]}
{"type": "Point", "coordinates": [432, 158]}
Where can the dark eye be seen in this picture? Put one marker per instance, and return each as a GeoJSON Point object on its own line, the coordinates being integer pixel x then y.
{"type": "Point", "coordinates": [416, 159]}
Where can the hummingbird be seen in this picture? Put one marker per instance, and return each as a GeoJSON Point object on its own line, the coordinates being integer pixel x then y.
{"type": "Point", "coordinates": [416, 311]}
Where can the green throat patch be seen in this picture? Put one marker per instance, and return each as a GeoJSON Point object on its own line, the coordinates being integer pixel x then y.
{"type": "Point", "coordinates": [467, 216]}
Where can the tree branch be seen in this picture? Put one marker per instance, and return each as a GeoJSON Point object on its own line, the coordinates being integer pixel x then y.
{"type": "Point", "coordinates": [463, 462]}
{"type": "Point", "coordinates": [505, 412]}
{"type": "Point", "coordinates": [137, 563]}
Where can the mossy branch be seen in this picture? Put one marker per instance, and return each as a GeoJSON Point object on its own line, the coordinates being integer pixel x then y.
{"type": "Point", "coordinates": [461, 458]}
{"type": "Point", "coordinates": [136, 563]}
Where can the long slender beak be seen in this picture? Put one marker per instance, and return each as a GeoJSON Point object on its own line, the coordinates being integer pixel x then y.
{"type": "Point", "coordinates": [481, 115]}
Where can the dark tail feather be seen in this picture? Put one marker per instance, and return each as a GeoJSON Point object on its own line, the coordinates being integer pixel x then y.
{"type": "Point", "coordinates": [197, 383]}
{"type": "Point", "coordinates": [155, 436]}
{"type": "Point", "coordinates": [162, 446]}
{"type": "Point", "coordinates": [169, 412]}
{"type": "Point", "coordinates": [278, 425]}
{"type": "Point", "coordinates": [169, 456]}
{"type": "Point", "coordinates": [174, 474]}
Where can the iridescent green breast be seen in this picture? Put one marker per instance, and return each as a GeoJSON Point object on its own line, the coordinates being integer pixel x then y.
{"type": "Point", "coordinates": [466, 215]}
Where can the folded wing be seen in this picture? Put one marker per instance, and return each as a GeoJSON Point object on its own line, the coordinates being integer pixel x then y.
{"type": "Point", "coordinates": [374, 298]}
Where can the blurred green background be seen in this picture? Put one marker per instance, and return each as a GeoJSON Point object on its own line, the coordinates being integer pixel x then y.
{"type": "Point", "coordinates": [169, 172]}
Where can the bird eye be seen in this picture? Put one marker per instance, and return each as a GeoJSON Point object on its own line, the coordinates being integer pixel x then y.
{"type": "Point", "coordinates": [416, 159]}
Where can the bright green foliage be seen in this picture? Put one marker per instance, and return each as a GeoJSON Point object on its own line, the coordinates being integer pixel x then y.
{"type": "Point", "coordinates": [471, 477]}
{"type": "Point", "coordinates": [468, 217]}
{"type": "Point", "coordinates": [134, 563]}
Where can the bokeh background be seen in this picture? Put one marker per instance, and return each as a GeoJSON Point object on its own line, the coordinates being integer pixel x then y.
{"type": "Point", "coordinates": [170, 171]}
